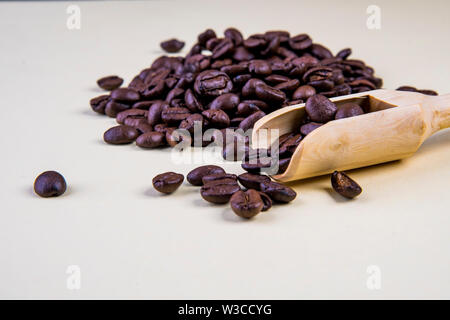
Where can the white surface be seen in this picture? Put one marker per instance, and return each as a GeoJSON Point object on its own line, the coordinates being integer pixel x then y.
{"type": "Point", "coordinates": [132, 243]}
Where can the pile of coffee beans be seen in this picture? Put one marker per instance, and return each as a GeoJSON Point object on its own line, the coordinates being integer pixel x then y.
{"type": "Point", "coordinates": [227, 82]}
{"type": "Point", "coordinates": [248, 194]}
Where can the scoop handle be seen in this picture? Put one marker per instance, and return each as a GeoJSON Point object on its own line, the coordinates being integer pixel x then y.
{"type": "Point", "coordinates": [441, 111]}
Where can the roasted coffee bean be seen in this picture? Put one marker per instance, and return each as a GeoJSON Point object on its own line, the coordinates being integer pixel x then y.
{"type": "Point", "coordinates": [270, 94]}
{"type": "Point", "coordinates": [344, 185]}
{"type": "Point", "coordinates": [219, 191]}
{"type": "Point", "coordinates": [344, 53]}
{"type": "Point", "coordinates": [110, 82]}
{"type": "Point", "coordinates": [212, 83]}
{"type": "Point", "coordinates": [143, 105]}
{"type": "Point", "coordinates": [288, 86]}
{"type": "Point", "coordinates": [50, 184]}
{"type": "Point", "coordinates": [252, 181]}
{"type": "Point", "coordinates": [114, 107]}
{"type": "Point", "coordinates": [278, 192]}
{"type": "Point", "coordinates": [249, 89]}
{"type": "Point", "coordinates": [173, 116]}
{"type": "Point", "coordinates": [234, 35]}
{"type": "Point", "coordinates": [288, 147]}
{"type": "Point", "coordinates": [192, 102]}
{"type": "Point", "coordinates": [247, 204]}
{"type": "Point", "coordinates": [275, 79]}
{"type": "Point", "coordinates": [226, 102]}
{"type": "Point", "coordinates": [259, 68]}
{"type": "Point", "coordinates": [120, 135]}
{"type": "Point", "coordinates": [235, 69]}
{"type": "Point", "coordinates": [303, 92]}
{"type": "Point", "coordinates": [174, 137]}
{"type": "Point", "coordinates": [307, 128]}
{"type": "Point", "coordinates": [195, 176]}
{"type": "Point", "coordinates": [167, 182]}
{"type": "Point", "coordinates": [191, 121]}
{"type": "Point", "coordinates": [222, 49]}
{"type": "Point", "coordinates": [218, 176]}
{"type": "Point", "coordinates": [98, 104]}
{"type": "Point", "coordinates": [242, 54]}
{"type": "Point", "coordinates": [250, 121]}
{"type": "Point", "coordinates": [205, 36]}
{"type": "Point", "coordinates": [348, 110]}
{"type": "Point", "coordinates": [217, 118]}
{"type": "Point", "coordinates": [125, 95]}
{"type": "Point", "coordinates": [257, 165]}
{"type": "Point", "coordinates": [283, 164]}
{"type": "Point", "coordinates": [320, 52]}
{"type": "Point", "coordinates": [172, 45]}
{"type": "Point", "coordinates": [320, 109]}
{"type": "Point", "coordinates": [151, 139]}
{"type": "Point", "coordinates": [267, 202]}
{"type": "Point", "coordinates": [173, 94]}
{"type": "Point", "coordinates": [131, 113]}
{"type": "Point", "coordinates": [300, 42]}
{"type": "Point", "coordinates": [221, 63]}
{"type": "Point", "coordinates": [155, 111]}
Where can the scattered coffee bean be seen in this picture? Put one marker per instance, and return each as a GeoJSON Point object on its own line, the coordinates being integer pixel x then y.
{"type": "Point", "coordinates": [50, 184]}
{"type": "Point", "coordinates": [252, 181]}
{"type": "Point", "coordinates": [110, 83]}
{"type": "Point", "coordinates": [195, 176]}
{"type": "Point", "coordinates": [278, 192]}
{"type": "Point", "coordinates": [218, 176]}
{"type": "Point", "coordinates": [344, 185]}
{"type": "Point", "coordinates": [172, 45]}
{"type": "Point", "coordinates": [120, 135]}
{"type": "Point", "coordinates": [167, 182]}
{"type": "Point", "coordinates": [152, 139]}
{"type": "Point", "coordinates": [267, 202]}
{"type": "Point", "coordinates": [219, 191]}
{"type": "Point", "coordinates": [247, 204]}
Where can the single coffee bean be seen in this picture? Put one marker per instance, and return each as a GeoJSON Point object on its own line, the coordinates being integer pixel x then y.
{"type": "Point", "coordinates": [288, 86]}
{"type": "Point", "coordinates": [307, 128]}
{"type": "Point", "coordinates": [173, 116]}
{"type": "Point", "coordinates": [246, 204]}
{"type": "Point", "coordinates": [257, 165]}
{"type": "Point", "coordinates": [167, 182]}
{"type": "Point", "coordinates": [217, 118]}
{"type": "Point", "coordinates": [303, 92]}
{"type": "Point", "coordinates": [174, 136]}
{"type": "Point", "coordinates": [267, 202]}
{"type": "Point", "coordinates": [212, 83]}
{"type": "Point", "coordinates": [283, 164]}
{"type": "Point", "coordinates": [348, 110]}
{"type": "Point", "coordinates": [344, 53]}
{"type": "Point", "coordinates": [248, 90]}
{"type": "Point", "coordinates": [143, 105]}
{"type": "Point", "coordinates": [278, 192]}
{"type": "Point", "coordinates": [320, 109]}
{"type": "Point", "coordinates": [98, 104]}
{"type": "Point", "coordinates": [268, 93]}
{"type": "Point", "coordinates": [259, 68]}
{"type": "Point", "coordinates": [218, 176]}
{"type": "Point", "coordinates": [120, 135]}
{"type": "Point", "coordinates": [344, 185]}
{"type": "Point", "coordinates": [219, 191]}
{"type": "Point", "coordinates": [125, 95]}
{"type": "Point", "coordinates": [155, 111]}
{"type": "Point", "coordinates": [50, 184]}
{"type": "Point", "coordinates": [226, 102]}
{"type": "Point", "coordinates": [110, 83]}
{"type": "Point", "coordinates": [300, 42]}
{"type": "Point", "coordinates": [192, 102]}
{"type": "Point", "coordinates": [131, 113]}
{"type": "Point", "coordinates": [222, 49]}
{"type": "Point", "coordinates": [195, 176]}
{"type": "Point", "coordinates": [114, 107]}
{"type": "Point", "coordinates": [234, 35]}
{"type": "Point", "coordinates": [172, 45]}
{"type": "Point", "coordinates": [288, 147]}
{"type": "Point", "coordinates": [250, 121]}
{"type": "Point", "coordinates": [151, 139]}
{"type": "Point", "coordinates": [205, 36]}
{"type": "Point", "coordinates": [252, 181]}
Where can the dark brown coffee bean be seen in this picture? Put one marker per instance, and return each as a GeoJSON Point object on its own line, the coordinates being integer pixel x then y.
{"type": "Point", "coordinates": [267, 202]}
{"type": "Point", "coordinates": [344, 185]}
{"type": "Point", "coordinates": [247, 204]}
{"type": "Point", "coordinates": [348, 110]}
{"type": "Point", "coordinates": [235, 69]}
{"type": "Point", "coordinates": [320, 109]}
{"type": "Point", "coordinates": [428, 92]}
{"type": "Point", "coordinates": [283, 164]}
{"type": "Point", "coordinates": [195, 176]}
{"type": "Point", "coordinates": [300, 42]}
{"type": "Point", "coordinates": [98, 104]}
{"type": "Point", "coordinates": [252, 181]}
{"type": "Point", "coordinates": [167, 182]}
{"type": "Point", "coordinates": [218, 176]}
{"type": "Point", "coordinates": [217, 118]}
{"type": "Point", "coordinates": [221, 63]}
{"type": "Point", "coordinates": [278, 192]}
{"type": "Point", "coordinates": [257, 165]}
{"type": "Point", "coordinates": [120, 135]}
{"type": "Point", "coordinates": [307, 128]}
{"type": "Point", "coordinates": [205, 36]}
{"type": "Point", "coordinates": [143, 105]}
{"type": "Point", "coordinates": [155, 111]}
{"type": "Point", "coordinates": [249, 88]}
{"type": "Point", "coordinates": [250, 121]}
{"type": "Point", "coordinates": [242, 54]}
{"type": "Point", "coordinates": [174, 136]}
{"type": "Point", "coordinates": [114, 107]}
{"type": "Point", "coordinates": [197, 63]}
{"type": "Point", "coordinates": [191, 122]}
{"type": "Point", "coordinates": [219, 191]}
{"type": "Point", "coordinates": [125, 95]}
{"type": "Point", "coordinates": [303, 92]}
{"type": "Point", "coordinates": [50, 184]}
{"type": "Point", "coordinates": [172, 45]}
{"type": "Point", "coordinates": [270, 94]}
{"type": "Point", "coordinates": [173, 116]}
{"type": "Point", "coordinates": [212, 83]}
{"type": "Point", "coordinates": [192, 102]}
{"type": "Point", "coordinates": [344, 53]}
{"type": "Point", "coordinates": [288, 147]}
{"type": "Point", "coordinates": [320, 52]}
{"type": "Point", "coordinates": [222, 49]}
{"type": "Point", "coordinates": [151, 139]}
{"type": "Point", "coordinates": [212, 43]}
{"type": "Point", "coordinates": [110, 82]}
{"type": "Point", "coordinates": [173, 94]}
{"type": "Point", "coordinates": [234, 35]}
{"type": "Point", "coordinates": [288, 86]}
{"type": "Point", "coordinates": [259, 67]}
{"type": "Point", "coordinates": [226, 102]}
{"type": "Point", "coordinates": [406, 88]}
{"type": "Point", "coordinates": [131, 113]}
{"type": "Point", "coordinates": [275, 79]}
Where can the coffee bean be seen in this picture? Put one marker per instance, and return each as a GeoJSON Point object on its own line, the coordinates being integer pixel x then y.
{"type": "Point", "coordinates": [344, 53]}
{"type": "Point", "coordinates": [246, 204]}
{"type": "Point", "coordinates": [151, 139]}
{"type": "Point", "coordinates": [344, 185]}
{"type": "Point", "coordinates": [173, 116]}
{"type": "Point", "coordinates": [304, 92]}
{"type": "Point", "coordinates": [249, 89]}
{"type": "Point", "coordinates": [259, 67]}
{"type": "Point", "coordinates": [226, 102]}
{"type": "Point", "coordinates": [300, 42]}
{"type": "Point", "coordinates": [191, 121]}
{"type": "Point", "coordinates": [267, 202]}
{"type": "Point", "coordinates": [348, 110]}
{"type": "Point", "coordinates": [218, 176]}
{"type": "Point", "coordinates": [192, 102]}
{"type": "Point", "coordinates": [283, 164]}
{"type": "Point", "coordinates": [155, 111]}
{"type": "Point", "coordinates": [120, 135]}
{"type": "Point", "coordinates": [268, 93]}
{"type": "Point", "coordinates": [288, 86]}
{"type": "Point", "coordinates": [50, 184]}
{"type": "Point", "coordinates": [205, 36]}
{"type": "Point", "coordinates": [195, 176]}
{"type": "Point", "coordinates": [320, 109]}
{"type": "Point", "coordinates": [219, 191]}
{"type": "Point", "coordinates": [234, 35]}
{"type": "Point", "coordinates": [307, 128]}
{"type": "Point", "coordinates": [252, 181]}
{"type": "Point", "coordinates": [167, 182]}
{"type": "Point", "coordinates": [172, 45]}
{"type": "Point", "coordinates": [212, 83]}
{"type": "Point", "coordinates": [125, 95]}
{"type": "Point", "coordinates": [114, 107]}
{"type": "Point", "coordinates": [278, 192]}
{"type": "Point", "coordinates": [217, 118]}
{"type": "Point", "coordinates": [257, 165]}
{"type": "Point", "coordinates": [110, 82]}
{"type": "Point", "coordinates": [98, 104]}
{"type": "Point", "coordinates": [250, 121]}
{"type": "Point", "coordinates": [131, 113]}
{"type": "Point", "coordinates": [223, 48]}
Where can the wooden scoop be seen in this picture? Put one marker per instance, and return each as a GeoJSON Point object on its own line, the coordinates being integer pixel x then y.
{"type": "Point", "coordinates": [398, 123]}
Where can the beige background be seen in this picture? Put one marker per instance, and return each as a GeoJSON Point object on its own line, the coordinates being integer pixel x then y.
{"type": "Point", "coordinates": [130, 242]}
